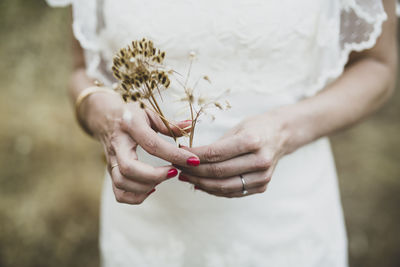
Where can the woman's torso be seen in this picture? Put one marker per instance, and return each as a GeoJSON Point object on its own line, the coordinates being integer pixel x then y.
{"type": "Point", "coordinates": [267, 53]}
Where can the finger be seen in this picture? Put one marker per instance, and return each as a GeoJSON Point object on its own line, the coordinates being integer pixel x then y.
{"type": "Point", "coordinates": [128, 185]}
{"type": "Point", "coordinates": [148, 139]}
{"type": "Point", "coordinates": [129, 167]}
{"type": "Point", "coordinates": [242, 164]}
{"type": "Point", "coordinates": [252, 191]}
{"type": "Point", "coordinates": [144, 173]}
{"type": "Point", "coordinates": [230, 185]}
{"type": "Point", "coordinates": [227, 148]}
{"type": "Point", "coordinates": [129, 197]}
{"type": "Point", "coordinates": [178, 128]}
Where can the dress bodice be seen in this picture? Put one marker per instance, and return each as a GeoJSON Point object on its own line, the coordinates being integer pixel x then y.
{"type": "Point", "coordinates": [287, 47]}
{"type": "Point", "coordinates": [266, 47]}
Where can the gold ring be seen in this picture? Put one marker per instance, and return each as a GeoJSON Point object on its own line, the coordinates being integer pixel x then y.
{"type": "Point", "coordinates": [114, 165]}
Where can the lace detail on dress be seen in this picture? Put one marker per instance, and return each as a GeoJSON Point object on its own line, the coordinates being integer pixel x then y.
{"type": "Point", "coordinates": [360, 26]}
{"type": "Point", "coordinates": [257, 42]}
{"type": "Point", "coordinates": [86, 27]}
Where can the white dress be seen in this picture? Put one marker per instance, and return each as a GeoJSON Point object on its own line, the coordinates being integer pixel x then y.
{"type": "Point", "coordinates": [268, 53]}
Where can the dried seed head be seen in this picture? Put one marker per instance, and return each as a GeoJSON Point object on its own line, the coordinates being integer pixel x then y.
{"type": "Point", "coordinates": [169, 70]}
{"type": "Point", "coordinates": [117, 75]}
{"type": "Point", "coordinates": [153, 84]}
{"type": "Point", "coordinates": [126, 77]}
{"type": "Point", "coordinates": [167, 84]}
{"type": "Point", "coordinates": [124, 86]}
{"type": "Point", "coordinates": [218, 105]}
{"type": "Point", "coordinates": [191, 98]}
{"type": "Point", "coordinates": [117, 62]}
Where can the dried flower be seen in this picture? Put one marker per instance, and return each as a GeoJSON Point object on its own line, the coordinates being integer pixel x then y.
{"type": "Point", "coordinates": [141, 73]}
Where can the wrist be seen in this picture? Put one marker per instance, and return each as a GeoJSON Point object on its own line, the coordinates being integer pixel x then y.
{"type": "Point", "coordinates": [95, 107]}
{"type": "Point", "coordinates": [294, 128]}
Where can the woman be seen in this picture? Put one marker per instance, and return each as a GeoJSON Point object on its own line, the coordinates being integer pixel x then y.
{"type": "Point", "coordinates": [293, 81]}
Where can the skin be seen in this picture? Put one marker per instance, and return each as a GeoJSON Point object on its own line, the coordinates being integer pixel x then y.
{"type": "Point", "coordinates": [121, 128]}
{"type": "Point", "coordinates": [252, 148]}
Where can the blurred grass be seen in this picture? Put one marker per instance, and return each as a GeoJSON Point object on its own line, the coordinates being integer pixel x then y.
{"type": "Point", "coordinates": [51, 173]}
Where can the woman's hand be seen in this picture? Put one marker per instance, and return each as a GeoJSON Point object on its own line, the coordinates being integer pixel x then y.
{"type": "Point", "coordinates": [251, 149]}
{"type": "Point", "coordinates": [121, 128]}
{"type": "Point", "coordinates": [254, 147]}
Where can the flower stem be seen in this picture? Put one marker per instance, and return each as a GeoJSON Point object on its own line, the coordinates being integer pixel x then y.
{"type": "Point", "coordinates": [159, 112]}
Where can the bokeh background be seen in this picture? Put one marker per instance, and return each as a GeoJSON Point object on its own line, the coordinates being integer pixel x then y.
{"type": "Point", "coordinates": [51, 173]}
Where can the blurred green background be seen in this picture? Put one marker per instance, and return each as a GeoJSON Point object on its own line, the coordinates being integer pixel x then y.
{"type": "Point", "coordinates": [51, 173]}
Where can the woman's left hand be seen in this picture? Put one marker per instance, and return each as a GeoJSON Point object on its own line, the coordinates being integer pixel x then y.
{"type": "Point", "coordinates": [251, 149]}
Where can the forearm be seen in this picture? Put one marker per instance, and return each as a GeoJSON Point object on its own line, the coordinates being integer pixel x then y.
{"type": "Point", "coordinates": [366, 83]}
{"type": "Point", "coordinates": [78, 82]}
{"type": "Point", "coordinates": [98, 110]}
{"type": "Point", "coordinates": [362, 89]}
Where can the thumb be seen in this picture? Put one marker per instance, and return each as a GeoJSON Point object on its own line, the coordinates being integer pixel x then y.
{"type": "Point", "coordinates": [178, 128]}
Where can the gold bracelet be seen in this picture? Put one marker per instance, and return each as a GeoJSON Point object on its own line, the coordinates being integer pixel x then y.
{"type": "Point", "coordinates": [85, 93]}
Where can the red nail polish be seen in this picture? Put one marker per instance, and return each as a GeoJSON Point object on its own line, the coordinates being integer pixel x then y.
{"type": "Point", "coordinates": [151, 192]}
{"type": "Point", "coordinates": [183, 178]}
{"type": "Point", "coordinates": [196, 187]}
{"type": "Point", "coordinates": [193, 161]}
{"type": "Point", "coordinates": [172, 173]}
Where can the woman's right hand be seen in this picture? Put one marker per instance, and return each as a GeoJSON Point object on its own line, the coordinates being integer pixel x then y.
{"type": "Point", "coordinates": [121, 128]}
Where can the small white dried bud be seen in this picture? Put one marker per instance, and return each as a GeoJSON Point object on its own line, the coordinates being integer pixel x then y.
{"type": "Point", "coordinates": [114, 86]}
{"type": "Point", "coordinates": [132, 60]}
{"type": "Point", "coordinates": [192, 55]}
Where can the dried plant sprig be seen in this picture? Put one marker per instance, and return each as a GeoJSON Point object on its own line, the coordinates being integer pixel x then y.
{"type": "Point", "coordinates": [140, 70]}
{"type": "Point", "coordinates": [141, 73]}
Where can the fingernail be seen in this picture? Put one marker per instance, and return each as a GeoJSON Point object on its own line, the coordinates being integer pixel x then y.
{"type": "Point", "coordinates": [151, 192]}
{"type": "Point", "coordinates": [172, 173]}
{"type": "Point", "coordinates": [183, 178]}
{"type": "Point", "coordinates": [196, 187]}
{"type": "Point", "coordinates": [193, 161]}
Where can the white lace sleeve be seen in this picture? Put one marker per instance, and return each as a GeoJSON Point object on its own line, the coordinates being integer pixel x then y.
{"type": "Point", "coordinates": [360, 26]}
{"type": "Point", "coordinates": [85, 31]}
